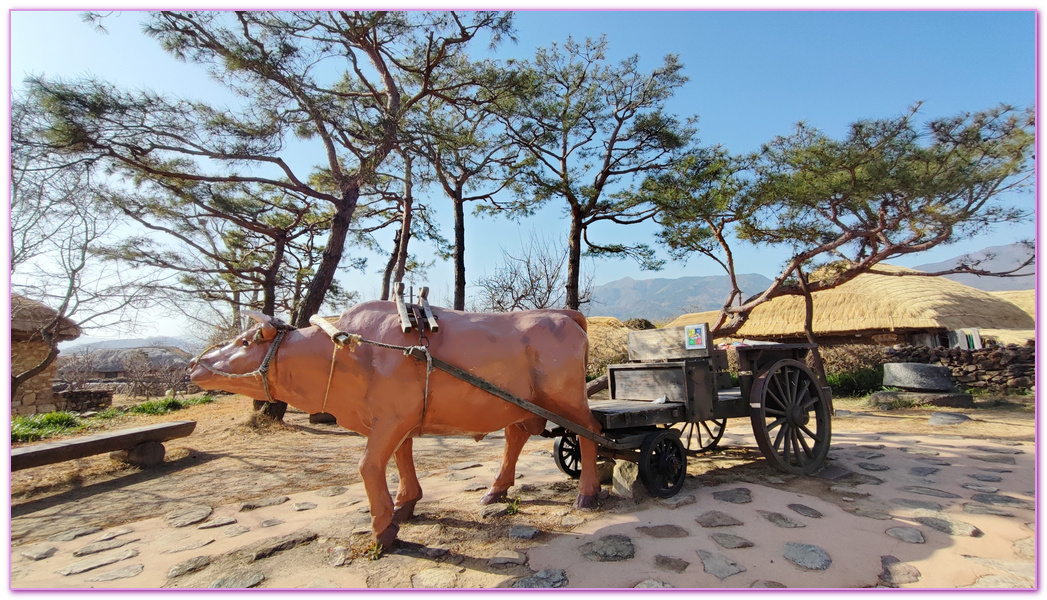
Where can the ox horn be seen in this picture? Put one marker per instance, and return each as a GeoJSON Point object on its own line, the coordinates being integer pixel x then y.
{"type": "Point", "coordinates": [257, 316]}
{"type": "Point", "coordinates": [268, 330]}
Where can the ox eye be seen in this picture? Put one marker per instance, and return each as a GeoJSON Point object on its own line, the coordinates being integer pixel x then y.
{"type": "Point", "coordinates": [245, 343]}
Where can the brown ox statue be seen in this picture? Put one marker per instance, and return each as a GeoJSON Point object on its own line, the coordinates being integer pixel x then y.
{"type": "Point", "coordinates": [538, 356]}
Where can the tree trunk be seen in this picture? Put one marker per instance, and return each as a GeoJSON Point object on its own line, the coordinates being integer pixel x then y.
{"type": "Point", "coordinates": [387, 275]}
{"type": "Point", "coordinates": [332, 256]}
{"type": "Point", "coordinates": [808, 329]}
{"type": "Point", "coordinates": [269, 285]}
{"type": "Point", "coordinates": [574, 259]}
{"type": "Point", "coordinates": [459, 251]}
{"type": "Point", "coordinates": [405, 223]}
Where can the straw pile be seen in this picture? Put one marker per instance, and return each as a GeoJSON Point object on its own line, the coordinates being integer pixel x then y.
{"type": "Point", "coordinates": [608, 338]}
{"type": "Point", "coordinates": [873, 303]}
{"type": "Point", "coordinates": [1024, 299]}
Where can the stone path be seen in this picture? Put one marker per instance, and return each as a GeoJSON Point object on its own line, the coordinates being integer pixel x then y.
{"type": "Point", "coordinates": [888, 511]}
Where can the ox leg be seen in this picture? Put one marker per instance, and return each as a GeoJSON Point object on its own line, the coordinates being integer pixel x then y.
{"type": "Point", "coordinates": [589, 482]}
{"type": "Point", "coordinates": [381, 443]}
{"type": "Point", "coordinates": [515, 438]}
{"type": "Point", "coordinates": [410, 491]}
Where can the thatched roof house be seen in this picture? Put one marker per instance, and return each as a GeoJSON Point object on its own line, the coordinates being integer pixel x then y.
{"type": "Point", "coordinates": [28, 350]}
{"type": "Point", "coordinates": [884, 309]}
{"type": "Point", "coordinates": [1024, 299]}
{"type": "Point", "coordinates": [28, 317]}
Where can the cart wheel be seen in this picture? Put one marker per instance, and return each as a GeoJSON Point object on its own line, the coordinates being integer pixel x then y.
{"type": "Point", "coordinates": [700, 436]}
{"type": "Point", "coordinates": [663, 463]}
{"type": "Point", "coordinates": [781, 406]}
{"type": "Point", "coordinates": [568, 455]}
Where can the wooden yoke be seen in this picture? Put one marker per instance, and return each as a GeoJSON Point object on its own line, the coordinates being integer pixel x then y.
{"type": "Point", "coordinates": [408, 318]}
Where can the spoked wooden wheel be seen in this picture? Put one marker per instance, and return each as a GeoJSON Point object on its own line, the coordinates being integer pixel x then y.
{"type": "Point", "coordinates": [700, 436]}
{"type": "Point", "coordinates": [568, 455]}
{"type": "Point", "coordinates": [790, 417]}
{"type": "Point", "coordinates": [663, 463]}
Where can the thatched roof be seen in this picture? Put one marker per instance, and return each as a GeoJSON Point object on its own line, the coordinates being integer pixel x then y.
{"type": "Point", "coordinates": [28, 316]}
{"type": "Point", "coordinates": [872, 303]}
{"type": "Point", "coordinates": [1009, 336]}
{"type": "Point", "coordinates": [1025, 299]}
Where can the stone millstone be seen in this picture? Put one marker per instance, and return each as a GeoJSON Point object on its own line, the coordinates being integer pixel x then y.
{"type": "Point", "coordinates": [187, 516]}
{"type": "Point", "coordinates": [719, 565]}
{"type": "Point", "coordinates": [715, 518]}
{"type": "Point", "coordinates": [918, 377]}
{"type": "Point", "coordinates": [546, 578]}
{"type": "Point", "coordinates": [609, 548]}
{"type": "Point", "coordinates": [807, 556]}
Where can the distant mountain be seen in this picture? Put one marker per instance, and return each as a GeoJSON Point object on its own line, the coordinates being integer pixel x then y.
{"type": "Point", "coordinates": [1003, 258]}
{"type": "Point", "coordinates": [87, 344]}
{"type": "Point", "coordinates": [661, 299]}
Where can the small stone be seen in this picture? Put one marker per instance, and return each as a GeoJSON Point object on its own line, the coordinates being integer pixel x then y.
{"type": "Point", "coordinates": [187, 516]}
{"type": "Point", "coordinates": [923, 471]}
{"type": "Point", "coordinates": [217, 522]}
{"type": "Point", "coordinates": [123, 573]}
{"type": "Point", "coordinates": [609, 548]}
{"type": "Point", "coordinates": [457, 476]}
{"type": "Point", "coordinates": [144, 455]}
{"type": "Point", "coordinates": [491, 511]}
{"type": "Point", "coordinates": [779, 519]}
{"type": "Point", "coordinates": [463, 466]}
{"type": "Point", "coordinates": [38, 553]}
{"type": "Point", "coordinates": [938, 462]}
{"type": "Point", "coordinates": [339, 556]}
{"type": "Point", "coordinates": [546, 578]}
{"type": "Point", "coordinates": [97, 547]}
{"type": "Point", "coordinates": [926, 491]}
{"type": "Point", "coordinates": [807, 556]}
{"type": "Point", "coordinates": [974, 508]}
{"type": "Point", "coordinates": [947, 418]}
{"type": "Point", "coordinates": [996, 450]}
{"type": "Point", "coordinates": [949, 526]}
{"type": "Point", "coordinates": [735, 496]}
{"type": "Point", "coordinates": [906, 534]}
{"type": "Point", "coordinates": [1002, 500]}
{"type": "Point", "coordinates": [994, 458]}
{"type": "Point", "coordinates": [507, 557]}
{"type": "Point", "coordinates": [264, 502]}
{"type": "Point", "coordinates": [345, 504]}
{"type": "Point", "coordinates": [72, 534]}
{"type": "Point", "coordinates": [868, 454]}
{"type": "Point", "coordinates": [97, 561]}
{"type": "Point", "coordinates": [918, 451]}
{"type": "Point", "coordinates": [806, 511]}
{"type": "Point", "coordinates": [763, 583]}
{"type": "Point", "coordinates": [872, 514]}
{"type": "Point", "coordinates": [731, 542]}
{"type": "Point", "coordinates": [896, 572]}
{"type": "Point", "coordinates": [188, 566]}
{"type": "Point", "coordinates": [543, 452]}
{"type": "Point", "coordinates": [332, 491]}
{"type": "Point", "coordinates": [626, 481]}
{"type": "Point", "coordinates": [664, 531]}
{"type": "Point", "coordinates": [271, 523]}
{"type": "Point", "coordinates": [977, 487]}
{"type": "Point", "coordinates": [193, 546]}
{"type": "Point", "coordinates": [300, 506]}
{"type": "Point", "coordinates": [435, 578]}
{"type": "Point", "coordinates": [523, 532]}
{"type": "Point", "coordinates": [271, 546]}
{"type": "Point", "coordinates": [715, 518]}
{"type": "Point", "coordinates": [986, 478]}
{"type": "Point", "coordinates": [832, 473]}
{"type": "Point", "coordinates": [115, 533]}
{"type": "Point", "coordinates": [237, 530]}
{"type": "Point", "coordinates": [670, 563]}
{"type": "Point", "coordinates": [571, 521]}
{"type": "Point", "coordinates": [652, 583]}
{"type": "Point", "coordinates": [719, 565]}
{"type": "Point", "coordinates": [873, 466]}
{"type": "Point", "coordinates": [924, 504]}
{"type": "Point", "coordinates": [678, 500]}
{"type": "Point", "coordinates": [239, 580]}
{"type": "Point", "coordinates": [435, 551]}
{"type": "Point", "coordinates": [475, 487]}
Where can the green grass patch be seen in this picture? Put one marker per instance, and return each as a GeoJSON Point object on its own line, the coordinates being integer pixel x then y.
{"type": "Point", "coordinates": [861, 382]}
{"type": "Point", "coordinates": [37, 427]}
{"type": "Point", "coordinates": [166, 405]}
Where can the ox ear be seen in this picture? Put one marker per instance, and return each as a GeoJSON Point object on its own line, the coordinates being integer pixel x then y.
{"type": "Point", "coordinates": [268, 330]}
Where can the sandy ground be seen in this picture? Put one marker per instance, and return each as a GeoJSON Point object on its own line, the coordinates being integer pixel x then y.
{"type": "Point", "coordinates": [225, 463]}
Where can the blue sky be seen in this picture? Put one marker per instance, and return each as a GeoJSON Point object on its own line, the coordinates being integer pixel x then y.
{"type": "Point", "coordinates": [753, 76]}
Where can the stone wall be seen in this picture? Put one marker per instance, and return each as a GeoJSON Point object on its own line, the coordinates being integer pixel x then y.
{"type": "Point", "coordinates": [33, 396]}
{"type": "Point", "coordinates": [84, 400]}
{"type": "Point", "coordinates": [999, 369]}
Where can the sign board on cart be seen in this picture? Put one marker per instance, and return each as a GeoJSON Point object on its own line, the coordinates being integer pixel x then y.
{"type": "Point", "coordinates": [670, 343]}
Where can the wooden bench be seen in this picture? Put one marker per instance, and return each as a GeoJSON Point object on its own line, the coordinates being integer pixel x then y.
{"type": "Point", "coordinates": [140, 446]}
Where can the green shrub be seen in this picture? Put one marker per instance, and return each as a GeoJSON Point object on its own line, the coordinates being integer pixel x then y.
{"type": "Point", "coordinates": [860, 382]}
{"type": "Point", "coordinates": [110, 413]}
{"type": "Point", "coordinates": [166, 405]}
{"type": "Point", "coordinates": [37, 427]}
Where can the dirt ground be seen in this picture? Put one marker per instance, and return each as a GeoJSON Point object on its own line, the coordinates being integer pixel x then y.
{"type": "Point", "coordinates": [227, 461]}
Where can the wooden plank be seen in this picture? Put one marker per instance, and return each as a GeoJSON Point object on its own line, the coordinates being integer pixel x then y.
{"type": "Point", "coordinates": [663, 344]}
{"type": "Point", "coordinates": [619, 414]}
{"type": "Point", "coordinates": [401, 308]}
{"type": "Point", "coordinates": [427, 311]}
{"type": "Point", "coordinates": [125, 439]}
{"type": "Point", "coordinates": [649, 383]}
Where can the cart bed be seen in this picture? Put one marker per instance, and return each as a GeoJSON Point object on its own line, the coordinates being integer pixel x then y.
{"type": "Point", "coordinates": [618, 414]}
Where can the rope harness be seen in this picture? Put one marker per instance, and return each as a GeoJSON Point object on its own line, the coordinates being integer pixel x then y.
{"type": "Point", "coordinates": [261, 372]}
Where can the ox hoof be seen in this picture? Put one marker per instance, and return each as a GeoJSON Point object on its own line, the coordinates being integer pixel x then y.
{"type": "Point", "coordinates": [585, 501]}
{"type": "Point", "coordinates": [404, 512]}
{"type": "Point", "coordinates": [388, 537]}
{"type": "Point", "coordinates": [492, 497]}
